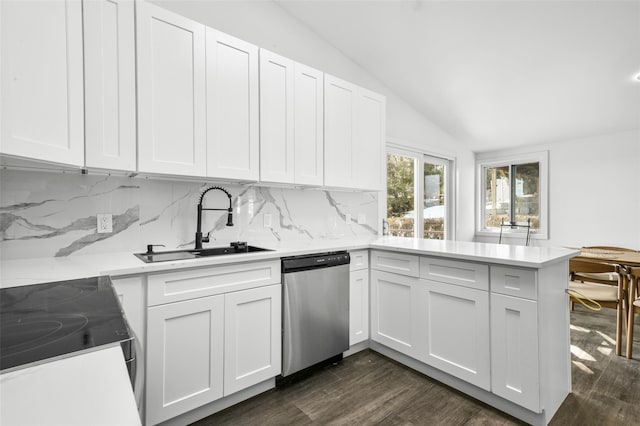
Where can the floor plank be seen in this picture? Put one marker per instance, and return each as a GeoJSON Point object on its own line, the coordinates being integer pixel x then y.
{"type": "Point", "coordinates": [369, 389]}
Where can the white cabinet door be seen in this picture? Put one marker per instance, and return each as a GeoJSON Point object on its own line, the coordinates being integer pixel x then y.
{"type": "Point", "coordinates": [276, 118]}
{"type": "Point", "coordinates": [291, 121]}
{"type": "Point", "coordinates": [355, 134]}
{"type": "Point", "coordinates": [110, 86]}
{"type": "Point", "coordinates": [340, 99]}
{"type": "Point", "coordinates": [41, 92]}
{"type": "Point", "coordinates": [358, 306]}
{"type": "Point", "coordinates": [184, 356]}
{"type": "Point", "coordinates": [370, 140]}
{"type": "Point", "coordinates": [395, 304]}
{"type": "Point", "coordinates": [514, 350]}
{"type": "Point", "coordinates": [252, 338]}
{"type": "Point", "coordinates": [232, 107]}
{"type": "Point", "coordinates": [308, 125]}
{"type": "Point", "coordinates": [457, 332]}
{"type": "Point", "coordinates": [171, 93]}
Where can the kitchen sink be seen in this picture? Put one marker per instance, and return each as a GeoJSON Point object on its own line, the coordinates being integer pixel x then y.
{"type": "Point", "coordinates": [235, 248]}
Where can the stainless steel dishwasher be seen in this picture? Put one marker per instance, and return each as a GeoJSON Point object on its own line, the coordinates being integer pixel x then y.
{"type": "Point", "coordinates": [315, 323]}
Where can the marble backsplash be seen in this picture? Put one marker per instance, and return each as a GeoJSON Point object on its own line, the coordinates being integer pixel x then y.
{"type": "Point", "coordinates": [45, 214]}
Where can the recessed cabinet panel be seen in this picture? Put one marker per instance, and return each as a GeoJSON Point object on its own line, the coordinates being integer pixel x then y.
{"type": "Point", "coordinates": [308, 125]}
{"type": "Point", "coordinates": [186, 284]}
{"type": "Point", "coordinates": [516, 282]}
{"type": "Point", "coordinates": [110, 87]}
{"type": "Point", "coordinates": [252, 337]}
{"type": "Point", "coordinates": [467, 274]}
{"type": "Point", "coordinates": [370, 140]}
{"type": "Point", "coordinates": [359, 260]}
{"type": "Point", "coordinates": [358, 306]}
{"type": "Point", "coordinates": [41, 75]}
{"type": "Point", "coordinates": [171, 93]}
{"type": "Point", "coordinates": [185, 356]}
{"type": "Point", "coordinates": [398, 263]}
{"type": "Point", "coordinates": [276, 118]}
{"type": "Point", "coordinates": [457, 332]}
{"type": "Point", "coordinates": [394, 311]}
{"type": "Point", "coordinates": [232, 107]}
{"type": "Point", "coordinates": [339, 127]}
{"type": "Point", "coordinates": [514, 350]}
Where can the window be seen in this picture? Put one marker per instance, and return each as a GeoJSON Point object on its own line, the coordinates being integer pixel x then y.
{"type": "Point", "coordinates": [513, 190]}
{"type": "Point", "coordinates": [418, 196]}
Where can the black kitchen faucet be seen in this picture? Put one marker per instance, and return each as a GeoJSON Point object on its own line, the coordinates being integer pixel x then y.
{"type": "Point", "coordinates": [199, 238]}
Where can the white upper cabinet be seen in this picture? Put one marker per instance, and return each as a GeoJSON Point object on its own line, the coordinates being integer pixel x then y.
{"type": "Point", "coordinates": [110, 86]}
{"type": "Point", "coordinates": [171, 93]}
{"type": "Point", "coordinates": [369, 143]}
{"type": "Point", "coordinates": [354, 136]}
{"type": "Point", "coordinates": [308, 125]}
{"type": "Point", "coordinates": [339, 131]}
{"type": "Point", "coordinates": [41, 92]}
{"type": "Point", "coordinates": [276, 118]}
{"type": "Point", "coordinates": [291, 121]}
{"type": "Point", "coordinates": [232, 108]}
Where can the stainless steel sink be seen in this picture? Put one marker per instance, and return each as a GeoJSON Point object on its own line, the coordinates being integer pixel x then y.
{"type": "Point", "coordinates": [163, 256]}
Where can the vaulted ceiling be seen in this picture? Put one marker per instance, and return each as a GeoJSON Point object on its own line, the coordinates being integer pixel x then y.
{"type": "Point", "coordinates": [496, 74]}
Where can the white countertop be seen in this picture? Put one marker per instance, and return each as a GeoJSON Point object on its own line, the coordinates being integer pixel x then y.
{"type": "Point", "coordinates": [503, 254]}
{"type": "Point", "coordinates": [19, 272]}
{"type": "Point", "coordinates": [38, 270]}
{"type": "Point", "coordinates": [90, 389]}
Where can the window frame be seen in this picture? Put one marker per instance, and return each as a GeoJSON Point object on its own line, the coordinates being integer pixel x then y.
{"type": "Point", "coordinates": [420, 157]}
{"type": "Point", "coordinates": [489, 160]}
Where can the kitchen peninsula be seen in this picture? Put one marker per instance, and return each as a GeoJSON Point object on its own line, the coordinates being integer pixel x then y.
{"type": "Point", "coordinates": [489, 320]}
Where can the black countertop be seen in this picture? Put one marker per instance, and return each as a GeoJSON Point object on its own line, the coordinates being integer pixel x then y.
{"type": "Point", "coordinates": [51, 320]}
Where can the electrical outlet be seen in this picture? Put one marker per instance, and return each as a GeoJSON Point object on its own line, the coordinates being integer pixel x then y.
{"type": "Point", "coordinates": [105, 223]}
{"type": "Point", "coordinates": [362, 219]}
{"type": "Point", "coordinates": [347, 219]}
{"type": "Point", "coordinates": [267, 220]}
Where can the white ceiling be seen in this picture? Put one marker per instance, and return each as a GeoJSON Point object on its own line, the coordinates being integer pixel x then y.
{"type": "Point", "coordinates": [496, 74]}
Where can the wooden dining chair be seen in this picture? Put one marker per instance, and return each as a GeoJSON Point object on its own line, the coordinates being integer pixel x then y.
{"type": "Point", "coordinates": [611, 278]}
{"type": "Point", "coordinates": [593, 280]}
{"type": "Point", "coordinates": [634, 306]}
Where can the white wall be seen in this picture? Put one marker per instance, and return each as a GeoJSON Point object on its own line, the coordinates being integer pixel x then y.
{"type": "Point", "coordinates": [594, 190]}
{"type": "Point", "coordinates": [267, 25]}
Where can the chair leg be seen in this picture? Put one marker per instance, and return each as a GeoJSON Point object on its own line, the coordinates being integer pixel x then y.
{"type": "Point", "coordinates": [619, 329]}
{"type": "Point", "coordinates": [630, 334]}
{"type": "Point", "coordinates": [630, 315]}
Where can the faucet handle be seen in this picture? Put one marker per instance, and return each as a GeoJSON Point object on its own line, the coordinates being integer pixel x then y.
{"type": "Point", "coordinates": [151, 246]}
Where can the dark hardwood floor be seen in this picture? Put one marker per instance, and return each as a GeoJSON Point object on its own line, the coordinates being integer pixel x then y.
{"type": "Point", "coordinates": [369, 389]}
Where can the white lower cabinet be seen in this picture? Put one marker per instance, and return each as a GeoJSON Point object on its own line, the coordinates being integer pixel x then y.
{"type": "Point", "coordinates": [449, 320]}
{"type": "Point", "coordinates": [514, 350]}
{"type": "Point", "coordinates": [211, 332]}
{"type": "Point", "coordinates": [395, 310]}
{"type": "Point", "coordinates": [185, 356]}
{"type": "Point", "coordinates": [252, 348]}
{"type": "Point", "coordinates": [358, 306]}
{"type": "Point", "coordinates": [456, 332]}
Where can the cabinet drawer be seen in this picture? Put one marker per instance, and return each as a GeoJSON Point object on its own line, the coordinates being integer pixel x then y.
{"type": "Point", "coordinates": [514, 282]}
{"type": "Point", "coordinates": [467, 274]}
{"type": "Point", "coordinates": [193, 283]}
{"type": "Point", "coordinates": [398, 263]}
{"type": "Point", "coordinates": [359, 260]}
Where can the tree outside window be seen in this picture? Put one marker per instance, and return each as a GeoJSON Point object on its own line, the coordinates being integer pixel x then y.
{"type": "Point", "coordinates": [406, 191]}
{"type": "Point", "coordinates": [512, 194]}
